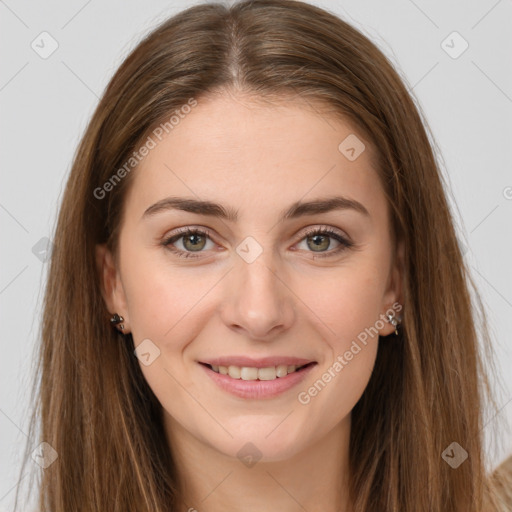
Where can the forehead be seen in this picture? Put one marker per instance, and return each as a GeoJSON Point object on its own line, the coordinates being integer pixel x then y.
{"type": "Point", "coordinates": [243, 150]}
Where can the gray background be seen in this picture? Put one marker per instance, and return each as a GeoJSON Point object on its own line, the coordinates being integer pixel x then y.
{"type": "Point", "coordinates": [46, 103]}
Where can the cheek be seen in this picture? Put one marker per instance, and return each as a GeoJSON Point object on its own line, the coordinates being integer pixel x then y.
{"type": "Point", "coordinates": [160, 296]}
{"type": "Point", "coordinates": [349, 303]}
{"type": "Point", "coordinates": [166, 305]}
{"type": "Point", "coordinates": [337, 387]}
{"type": "Point", "coordinates": [347, 300]}
{"type": "Point", "coordinates": [350, 308]}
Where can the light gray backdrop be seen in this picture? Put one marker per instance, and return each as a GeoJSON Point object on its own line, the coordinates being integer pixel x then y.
{"type": "Point", "coordinates": [57, 57]}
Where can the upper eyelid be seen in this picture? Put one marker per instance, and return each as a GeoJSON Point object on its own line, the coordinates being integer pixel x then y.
{"type": "Point", "coordinates": [182, 231]}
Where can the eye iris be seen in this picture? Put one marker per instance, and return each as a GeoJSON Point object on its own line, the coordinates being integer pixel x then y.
{"type": "Point", "coordinates": [319, 244]}
{"type": "Point", "coordinates": [193, 236]}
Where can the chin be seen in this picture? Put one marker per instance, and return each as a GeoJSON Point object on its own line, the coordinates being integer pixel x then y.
{"type": "Point", "coordinates": [268, 444]}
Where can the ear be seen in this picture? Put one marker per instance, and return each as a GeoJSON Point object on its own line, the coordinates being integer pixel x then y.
{"type": "Point", "coordinates": [111, 287]}
{"type": "Point", "coordinates": [392, 302]}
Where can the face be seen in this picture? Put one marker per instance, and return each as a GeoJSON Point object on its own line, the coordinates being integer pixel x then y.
{"type": "Point", "coordinates": [293, 267]}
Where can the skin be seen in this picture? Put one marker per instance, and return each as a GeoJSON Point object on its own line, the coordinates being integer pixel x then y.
{"type": "Point", "coordinates": [257, 159]}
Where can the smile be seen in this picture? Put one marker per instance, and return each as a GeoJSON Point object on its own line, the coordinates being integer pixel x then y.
{"type": "Point", "coordinates": [252, 373]}
{"type": "Point", "coordinates": [250, 382]}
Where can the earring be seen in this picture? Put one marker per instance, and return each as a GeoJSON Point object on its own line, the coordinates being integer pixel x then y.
{"type": "Point", "coordinates": [117, 320]}
{"type": "Point", "coordinates": [394, 322]}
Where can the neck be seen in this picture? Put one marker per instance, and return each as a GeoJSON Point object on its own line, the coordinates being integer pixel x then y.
{"type": "Point", "coordinates": [314, 478]}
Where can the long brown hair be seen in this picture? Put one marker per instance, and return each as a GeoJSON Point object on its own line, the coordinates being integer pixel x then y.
{"type": "Point", "coordinates": [93, 405]}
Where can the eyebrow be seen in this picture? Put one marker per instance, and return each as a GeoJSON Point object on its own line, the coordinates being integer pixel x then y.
{"type": "Point", "coordinates": [297, 209]}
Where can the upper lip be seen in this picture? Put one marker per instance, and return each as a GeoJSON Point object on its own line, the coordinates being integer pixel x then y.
{"type": "Point", "coordinates": [263, 362]}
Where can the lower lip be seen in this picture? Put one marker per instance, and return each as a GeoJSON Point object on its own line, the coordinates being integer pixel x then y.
{"type": "Point", "coordinates": [257, 389]}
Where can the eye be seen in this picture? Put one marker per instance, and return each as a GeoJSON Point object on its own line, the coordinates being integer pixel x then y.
{"type": "Point", "coordinates": [320, 238]}
{"type": "Point", "coordinates": [194, 240]}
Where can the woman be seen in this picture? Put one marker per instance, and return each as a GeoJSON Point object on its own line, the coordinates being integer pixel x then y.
{"type": "Point", "coordinates": [196, 353]}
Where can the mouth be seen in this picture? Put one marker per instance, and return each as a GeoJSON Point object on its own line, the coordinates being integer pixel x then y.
{"type": "Point", "coordinates": [252, 373]}
{"type": "Point", "coordinates": [266, 379]}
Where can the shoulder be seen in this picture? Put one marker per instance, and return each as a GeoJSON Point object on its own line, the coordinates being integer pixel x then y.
{"type": "Point", "coordinates": [501, 484]}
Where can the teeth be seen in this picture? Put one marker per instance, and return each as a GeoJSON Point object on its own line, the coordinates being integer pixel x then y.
{"type": "Point", "coordinates": [282, 370]}
{"type": "Point", "coordinates": [234, 372]}
{"type": "Point", "coordinates": [245, 373]}
{"type": "Point", "coordinates": [248, 373]}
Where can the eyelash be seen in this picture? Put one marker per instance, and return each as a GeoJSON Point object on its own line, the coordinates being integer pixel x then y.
{"type": "Point", "coordinates": [344, 243]}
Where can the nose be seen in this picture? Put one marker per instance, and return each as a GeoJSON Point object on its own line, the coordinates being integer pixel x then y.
{"type": "Point", "coordinates": [258, 302]}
